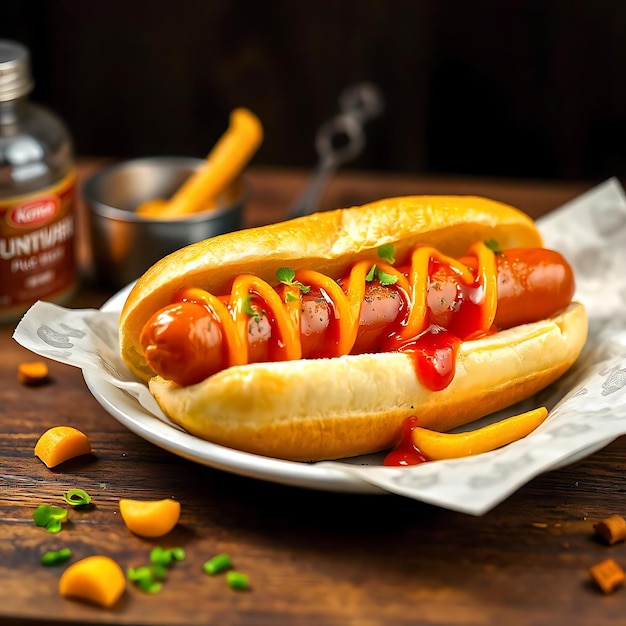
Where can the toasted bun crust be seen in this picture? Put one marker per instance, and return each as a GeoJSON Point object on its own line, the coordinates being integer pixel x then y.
{"type": "Point", "coordinates": [298, 410]}
{"type": "Point", "coordinates": [329, 242]}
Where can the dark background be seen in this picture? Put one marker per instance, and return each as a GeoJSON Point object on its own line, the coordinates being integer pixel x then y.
{"type": "Point", "coordinates": [512, 88]}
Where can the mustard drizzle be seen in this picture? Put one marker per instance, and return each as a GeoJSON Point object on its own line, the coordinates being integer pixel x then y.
{"type": "Point", "coordinates": [345, 306]}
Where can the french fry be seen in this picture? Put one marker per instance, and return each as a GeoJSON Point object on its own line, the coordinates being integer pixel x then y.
{"type": "Point", "coordinates": [439, 446]}
{"type": "Point", "coordinates": [222, 166]}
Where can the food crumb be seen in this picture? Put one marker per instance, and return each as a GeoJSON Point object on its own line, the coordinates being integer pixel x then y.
{"type": "Point", "coordinates": [611, 529]}
{"type": "Point", "coordinates": [32, 373]}
{"type": "Point", "coordinates": [608, 575]}
{"type": "Point", "coordinates": [539, 525]}
{"type": "Point", "coordinates": [61, 443]}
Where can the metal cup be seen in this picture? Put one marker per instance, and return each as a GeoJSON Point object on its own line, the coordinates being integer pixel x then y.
{"type": "Point", "coordinates": [123, 244]}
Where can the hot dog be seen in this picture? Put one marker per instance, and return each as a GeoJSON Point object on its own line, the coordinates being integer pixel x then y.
{"type": "Point", "coordinates": [183, 342]}
{"type": "Point", "coordinates": [305, 340]}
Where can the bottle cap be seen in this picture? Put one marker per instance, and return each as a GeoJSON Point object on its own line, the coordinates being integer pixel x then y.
{"type": "Point", "coordinates": [15, 76]}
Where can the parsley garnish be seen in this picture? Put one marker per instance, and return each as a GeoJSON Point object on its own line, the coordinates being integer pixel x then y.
{"type": "Point", "coordinates": [385, 252]}
{"type": "Point", "coordinates": [384, 278]}
{"type": "Point", "coordinates": [286, 276]}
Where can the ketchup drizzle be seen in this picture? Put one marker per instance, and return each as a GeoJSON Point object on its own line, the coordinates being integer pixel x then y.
{"type": "Point", "coordinates": [434, 357]}
{"type": "Point", "coordinates": [466, 319]}
{"type": "Point", "coordinates": [434, 351]}
{"type": "Point", "coordinates": [406, 452]}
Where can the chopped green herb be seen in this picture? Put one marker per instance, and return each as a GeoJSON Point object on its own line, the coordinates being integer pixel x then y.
{"type": "Point", "coordinates": [386, 279]}
{"type": "Point", "coordinates": [178, 554]}
{"type": "Point", "coordinates": [147, 585]}
{"type": "Point", "coordinates": [286, 276]}
{"type": "Point", "coordinates": [143, 578]}
{"type": "Point", "coordinates": [247, 307]}
{"type": "Point", "coordinates": [77, 497]}
{"type": "Point", "coordinates": [383, 277]}
{"type": "Point", "coordinates": [149, 578]}
{"type": "Point", "coordinates": [56, 557]}
{"type": "Point", "coordinates": [493, 245]}
{"type": "Point", "coordinates": [54, 526]}
{"type": "Point", "coordinates": [50, 517]}
{"type": "Point", "coordinates": [237, 580]}
{"type": "Point", "coordinates": [386, 253]}
{"type": "Point", "coordinates": [137, 573]}
{"type": "Point", "coordinates": [217, 564]}
{"type": "Point", "coordinates": [161, 556]}
{"type": "Point", "coordinates": [159, 571]}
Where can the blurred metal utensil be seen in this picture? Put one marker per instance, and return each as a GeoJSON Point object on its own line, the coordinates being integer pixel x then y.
{"type": "Point", "coordinates": [340, 140]}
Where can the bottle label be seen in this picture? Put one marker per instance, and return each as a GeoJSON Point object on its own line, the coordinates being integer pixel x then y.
{"type": "Point", "coordinates": [37, 246]}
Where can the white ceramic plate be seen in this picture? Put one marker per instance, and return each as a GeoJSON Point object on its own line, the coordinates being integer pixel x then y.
{"type": "Point", "coordinates": [131, 414]}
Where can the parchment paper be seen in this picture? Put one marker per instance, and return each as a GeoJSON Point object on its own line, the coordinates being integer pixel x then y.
{"type": "Point", "coordinates": [587, 406]}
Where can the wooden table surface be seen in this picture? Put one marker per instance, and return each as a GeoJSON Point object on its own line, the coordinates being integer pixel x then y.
{"type": "Point", "coordinates": [312, 557]}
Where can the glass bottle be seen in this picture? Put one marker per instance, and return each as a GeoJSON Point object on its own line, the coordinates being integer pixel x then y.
{"type": "Point", "coordinates": [37, 189]}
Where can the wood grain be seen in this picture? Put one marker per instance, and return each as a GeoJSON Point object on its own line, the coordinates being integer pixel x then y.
{"type": "Point", "coordinates": [312, 557]}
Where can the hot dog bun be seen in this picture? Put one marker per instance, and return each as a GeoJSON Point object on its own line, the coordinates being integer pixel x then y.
{"type": "Point", "coordinates": [309, 410]}
{"type": "Point", "coordinates": [332, 408]}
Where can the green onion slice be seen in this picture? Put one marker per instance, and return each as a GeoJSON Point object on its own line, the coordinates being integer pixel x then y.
{"type": "Point", "coordinates": [237, 580]}
{"type": "Point", "coordinates": [144, 578]}
{"type": "Point", "coordinates": [217, 564]}
{"type": "Point", "coordinates": [77, 497]}
{"type": "Point", "coordinates": [56, 557]}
